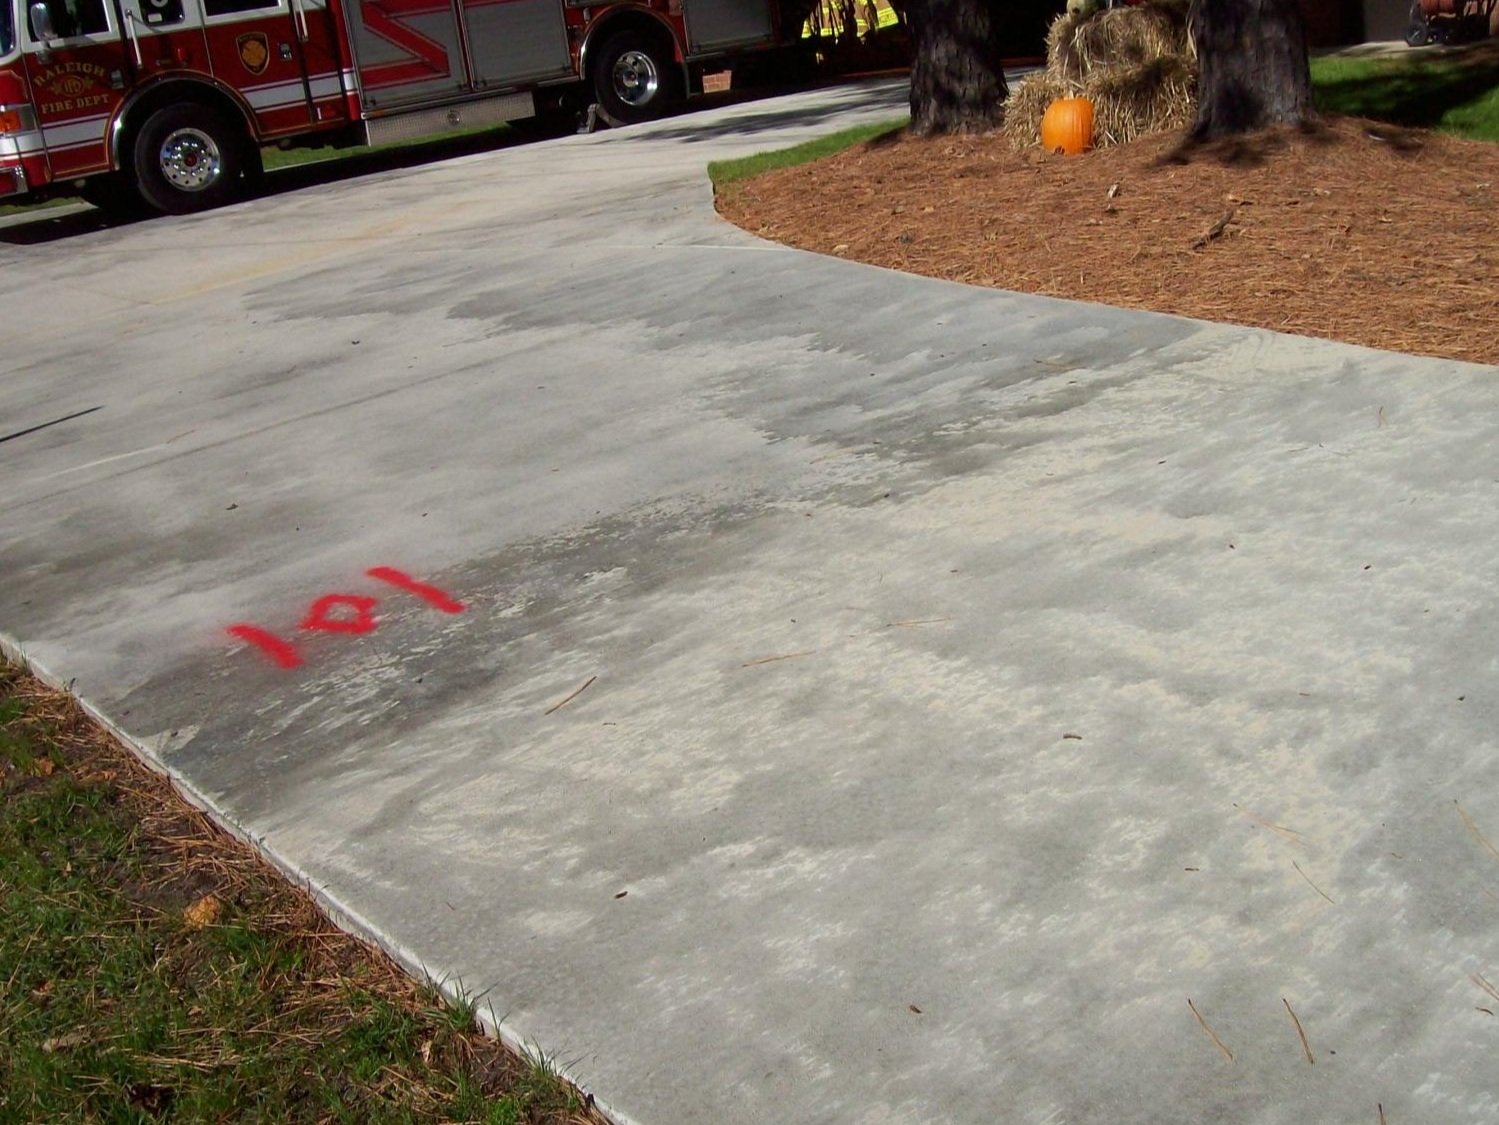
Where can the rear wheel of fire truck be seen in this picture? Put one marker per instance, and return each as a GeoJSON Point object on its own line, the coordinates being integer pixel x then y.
{"type": "Point", "coordinates": [189, 158]}
{"type": "Point", "coordinates": [635, 78]}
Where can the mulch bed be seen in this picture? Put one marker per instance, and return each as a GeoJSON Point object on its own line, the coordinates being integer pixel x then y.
{"type": "Point", "coordinates": [1354, 231]}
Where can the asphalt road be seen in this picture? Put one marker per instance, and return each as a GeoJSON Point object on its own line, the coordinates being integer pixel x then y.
{"type": "Point", "coordinates": [787, 690]}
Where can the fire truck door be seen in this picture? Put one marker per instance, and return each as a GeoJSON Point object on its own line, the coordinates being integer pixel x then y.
{"type": "Point", "coordinates": [515, 41]}
{"type": "Point", "coordinates": [408, 51]}
{"type": "Point", "coordinates": [715, 25]}
{"type": "Point", "coordinates": [279, 54]}
{"type": "Point", "coordinates": [77, 78]}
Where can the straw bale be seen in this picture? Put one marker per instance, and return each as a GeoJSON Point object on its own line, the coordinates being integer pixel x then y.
{"type": "Point", "coordinates": [1146, 99]}
{"type": "Point", "coordinates": [1027, 103]}
{"type": "Point", "coordinates": [1134, 64]}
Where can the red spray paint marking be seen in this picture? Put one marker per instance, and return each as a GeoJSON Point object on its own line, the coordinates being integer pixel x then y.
{"type": "Point", "coordinates": [429, 594]}
{"type": "Point", "coordinates": [282, 653]}
{"type": "Point", "coordinates": [326, 615]}
{"type": "Point", "coordinates": [321, 619]}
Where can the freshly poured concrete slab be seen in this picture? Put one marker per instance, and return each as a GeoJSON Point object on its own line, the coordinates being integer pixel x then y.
{"type": "Point", "coordinates": [873, 699]}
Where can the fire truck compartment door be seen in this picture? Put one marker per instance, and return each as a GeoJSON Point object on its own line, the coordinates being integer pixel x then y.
{"type": "Point", "coordinates": [515, 41]}
{"type": "Point", "coordinates": [408, 50]}
{"type": "Point", "coordinates": [715, 25]}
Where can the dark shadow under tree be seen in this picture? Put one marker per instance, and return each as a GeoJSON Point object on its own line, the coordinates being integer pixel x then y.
{"type": "Point", "coordinates": [957, 76]}
{"type": "Point", "coordinates": [1252, 66]}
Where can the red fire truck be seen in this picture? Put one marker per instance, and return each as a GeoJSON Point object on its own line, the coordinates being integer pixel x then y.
{"type": "Point", "coordinates": [168, 102]}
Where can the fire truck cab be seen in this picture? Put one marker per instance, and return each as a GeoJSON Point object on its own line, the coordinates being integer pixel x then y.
{"type": "Point", "coordinates": [167, 103]}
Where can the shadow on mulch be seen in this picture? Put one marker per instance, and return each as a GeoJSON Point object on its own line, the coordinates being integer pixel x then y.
{"type": "Point", "coordinates": [1255, 149]}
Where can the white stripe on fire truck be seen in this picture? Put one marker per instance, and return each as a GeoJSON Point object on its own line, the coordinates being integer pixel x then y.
{"type": "Point", "coordinates": [291, 93]}
{"type": "Point", "coordinates": [21, 144]}
{"type": "Point", "coordinates": [327, 75]}
{"type": "Point", "coordinates": [91, 130]}
{"type": "Point", "coordinates": [95, 143]}
{"type": "Point", "coordinates": [88, 131]}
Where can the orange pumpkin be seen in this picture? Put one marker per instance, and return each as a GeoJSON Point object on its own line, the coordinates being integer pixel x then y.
{"type": "Point", "coordinates": [1067, 126]}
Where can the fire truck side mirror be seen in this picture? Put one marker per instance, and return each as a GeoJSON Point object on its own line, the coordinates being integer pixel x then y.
{"type": "Point", "coordinates": [41, 22]}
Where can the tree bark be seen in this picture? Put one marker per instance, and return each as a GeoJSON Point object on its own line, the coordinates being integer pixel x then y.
{"type": "Point", "coordinates": [957, 79]}
{"type": "Point", "coordinates": [1252, 66]}
{"type": "Point", "coordinates": [793, 15]}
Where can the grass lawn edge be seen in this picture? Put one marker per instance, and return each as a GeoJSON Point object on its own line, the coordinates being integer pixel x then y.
{"type": "Point", "coordinates": [723, 173]}
{"type": "Point", "coordinates": [543, 1071]}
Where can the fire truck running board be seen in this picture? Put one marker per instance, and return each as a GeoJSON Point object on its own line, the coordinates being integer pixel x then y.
{"type": "Point", "coordinates": [425, 122]}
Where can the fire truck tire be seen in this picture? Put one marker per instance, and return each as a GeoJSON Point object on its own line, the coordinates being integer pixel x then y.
{"type": "Point", "coordinates": [635, 78]}
{"type": "Point", "coordinates": [188, 157]}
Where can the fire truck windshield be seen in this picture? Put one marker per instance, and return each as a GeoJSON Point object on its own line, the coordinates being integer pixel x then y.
{"type": "Point", "coordinates": [7, 28]}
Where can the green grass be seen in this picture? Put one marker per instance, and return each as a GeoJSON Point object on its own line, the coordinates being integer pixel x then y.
{"type": "Point", "coordinates": [724, 172]}
{"type": "Point", "coordinates": [33, 208]}
{"type": "Point", "coordinates": [479, 136]}
{"type": "Point", "coordinates": [1454, 93]}
{"type": "Point", "coordinates": [115, 1007]}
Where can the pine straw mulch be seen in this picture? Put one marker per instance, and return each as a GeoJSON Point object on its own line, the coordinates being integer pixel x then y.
{"type": "Point", "coordinates": [1354, 230]}
{"type": "Point", "coordinates": [185, 865]}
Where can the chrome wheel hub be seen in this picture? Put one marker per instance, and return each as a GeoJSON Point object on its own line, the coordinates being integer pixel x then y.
{"type": "Point", "coordinates": [190, 160]}
{"type": "Point", "coordinates": [635, 78]}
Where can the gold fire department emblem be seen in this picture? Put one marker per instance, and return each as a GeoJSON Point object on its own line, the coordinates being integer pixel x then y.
{"type": "Point", "coordinates": [254, 52]}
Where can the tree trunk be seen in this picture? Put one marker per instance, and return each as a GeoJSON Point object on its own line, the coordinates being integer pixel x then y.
{"type": "Point", "coordinates": [1252, 67]}
{"type": "Point", "coordinates": [794, 15]}
{"type": "Point", "coordinates": [957, 80]}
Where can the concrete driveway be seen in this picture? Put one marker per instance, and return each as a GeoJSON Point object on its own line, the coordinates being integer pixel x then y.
{"type": "Point", "coordinates": [788, 690]}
